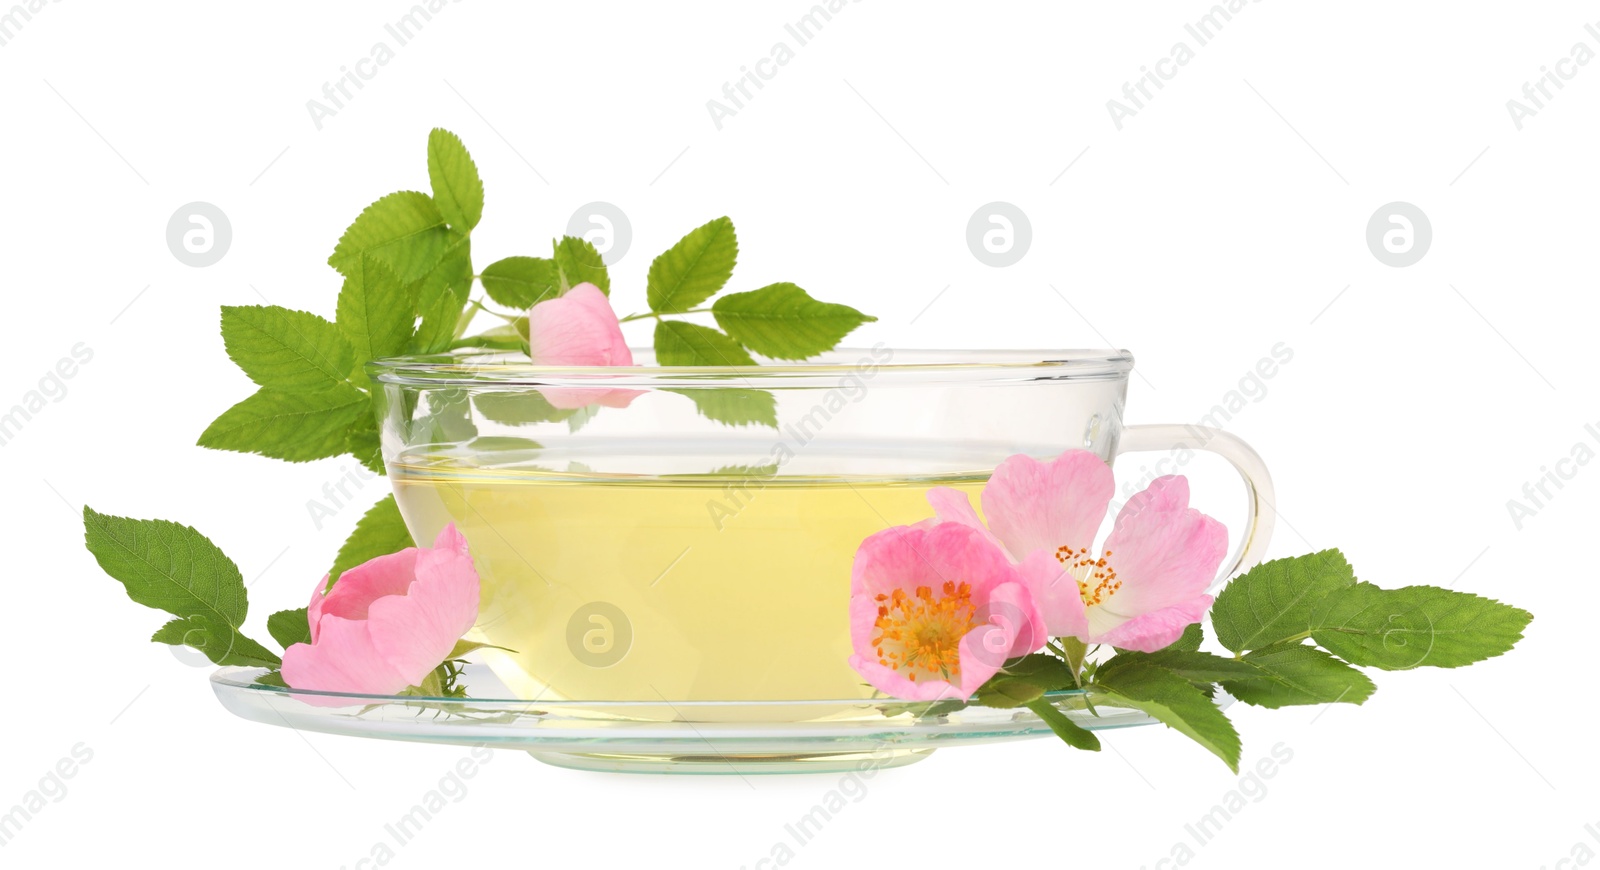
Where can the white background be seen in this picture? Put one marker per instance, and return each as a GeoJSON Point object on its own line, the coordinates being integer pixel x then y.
{"type": "Point", "coordinates": [1225, 217]}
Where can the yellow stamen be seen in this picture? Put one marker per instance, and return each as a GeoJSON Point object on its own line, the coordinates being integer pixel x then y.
{"type": "Point", "coordinates": [1097, 580]}
{"type": "Point", "coordinates": [919, 633]}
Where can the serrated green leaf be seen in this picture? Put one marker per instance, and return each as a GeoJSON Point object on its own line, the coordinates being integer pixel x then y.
{"type": "Point", "coordinates": [297, 427]}
{"type": "Point", "coordinates": [448, 421]}
{"type": "Point", "coordinates": [362, 442]}
{"type": "Point", "coordinates": [289, 627]}
{"type": "Point", "coordinates": [1071, 733]}
{"type": "Point", "coordinates": [1170, 699]}
{"type": "Point", "coordinates": [733, 406]}
{"type": "Point", "coordinates": [521, 282]}
{"type": "Point", "coordinates": [579, 263]}
{"type": "Point", "coordinates": [1190, 640]}
{"type": "Point", "coordinates": [440, 297]}
{"type": "Point", "coordinates": [230, 649]}
{"type": "Point", "coordinates": [1003, 692]}
{"type": "Point", "coordinates": [690, 344]}
{"type": "Point", "coordinates": [1293, 673]}
{"type": "Point", "coordinates": [375, 313]}
{"type": "Point", "coordinates": [1415, 626]}
{"type": "Point", "coordinates": [403, 230]}
{"type": "Point", "coordinates": [286, 349]}
{"type": "Point", "coordinates": [174, 568]}
{"type": "Point", "coordinates": [457, 189]}
{"type": "Point", "coordinates": [452, 274]}
{"type": "Point", "coordinates": [1192, 665]}
{"type": "Point", "coordinates": [1273, 601]}
{"type": "Point", "coordinates": [694, 269]}
{"type": "Point", "coordinates": [380, 531]}
{"type": "Point", "coordinates": [782, 321]}
{"type": "Point", "coordinates": [1046, 671]}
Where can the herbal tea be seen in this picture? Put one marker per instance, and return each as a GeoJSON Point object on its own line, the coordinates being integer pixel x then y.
{"type": "Point", "coordinates": [727, 586]}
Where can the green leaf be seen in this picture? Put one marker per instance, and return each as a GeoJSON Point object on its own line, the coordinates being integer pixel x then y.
{"type": "Point", "coordinates": [362, 442]}
{"type": "Point", "coordinates": [457, 189]}
{"type": "Point", "coordinates": [1273, 601]}
{"type": "Point", "coordinates": [231, 648]}
{"type": "Point", "coordinates": [519, 407]}
{"type": "Point", "coordinates": [297, 427]}
{"type": "Point", "coordinates": [1415, 626]}
{"type": "Point", "coordinates": [689, 344]}
{"type": "Point", "coordinates": [404, 230]}
{"type": "Point", "coordinates": [1070, 732]}
{"type": "Point", "coordinates": [579, 263]}
{"type": "Point", "coordinates": [289, 627]}
{"type": "Point", "coordinates": [286, 349]}
{"type": "Point", "coordinates": [440, 297]}
{"type": "Point", "coordinates": [380, 531]}
{"type": "Point", "coordinates": [1190, 639]}
{"type": "Point", "coordinates": [782, 321]}
{"type": "Point", "coordinates": [521, 282]}
{"type": "Point", "coordinates": [1003, 692]}
{"type": "Point", "coordinates": [1171, 699]}
{"type": "Point", "coordinates": [1293, 673]}
{"type": "Point", "coordinates": [504, 444]}
{"type": "Point", "coordinates": [375, 312]}
{"type": "Point", "coordinates": [174, 568]}
{"type": "Point", "coordinates": [1192, 665]}
{"type": "Point", "coordinates": [1045, 671]}
{"type": "Point", "coordinates": [694, 269]}
{"type": "Point", "coordinates": [734, 406]}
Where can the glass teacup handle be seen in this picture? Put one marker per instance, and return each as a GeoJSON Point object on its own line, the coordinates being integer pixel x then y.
{"type": "Point", "coordinates": [1259, 497]}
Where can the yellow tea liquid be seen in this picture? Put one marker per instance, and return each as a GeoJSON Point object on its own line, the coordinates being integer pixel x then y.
{"type": "Point", "coordinates": [731, 586]}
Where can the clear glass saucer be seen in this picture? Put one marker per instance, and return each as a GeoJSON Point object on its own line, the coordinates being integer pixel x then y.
{"type": "Point", "coordinates": [661, 736]}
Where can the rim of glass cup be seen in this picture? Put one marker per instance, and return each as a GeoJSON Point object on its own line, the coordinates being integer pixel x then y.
{"type": "Point", "coordinates": [473, 367]}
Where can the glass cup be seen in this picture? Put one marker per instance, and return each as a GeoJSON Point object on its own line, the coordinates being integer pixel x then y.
{"type": "Point", "coordinates": [659, 533]}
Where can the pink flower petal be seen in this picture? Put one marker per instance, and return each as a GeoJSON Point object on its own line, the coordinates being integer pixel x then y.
{"type": "Point", "coordinates": [1056, 592]}
{"type": "Point", "coordinates": [416, 631]}
{"type": "Point", "coordinates": [1164, 552]}
{"type": "Point", "coordinates": [907, 557]}
{"type": "Point", "coordinates": [376, 578]}
{"type": "Point", "coordinates": [578, 328]}
{"type": "Point", "coordinates": [951, 505]}
{"type": "Point", "coordinates": [572, 398]}
{"type": "Point", "coordinates": [342, 660]}
{"type": "Point", "coordinates": [1149, 632]}
{"type": "Point", "coordinates": [1033, 505]}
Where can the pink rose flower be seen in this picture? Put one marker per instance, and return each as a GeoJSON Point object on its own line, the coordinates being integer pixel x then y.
{"type": "Point", "coordinates": [935, 610]}
{"type": "Point", "coordinates": [1141, 591]}
{"type": "Point", "coordinates": [579, 328]}
{"type": "Point", "coordinates": [388, 622]}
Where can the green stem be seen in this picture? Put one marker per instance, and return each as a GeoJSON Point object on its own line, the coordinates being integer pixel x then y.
{"type": "Point", "coordinates": [1074, 651]}
{"type": "Point", "coordinates": [657, 315]}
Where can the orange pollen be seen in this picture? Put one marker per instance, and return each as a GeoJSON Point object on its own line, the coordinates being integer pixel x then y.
{"type": "Point", "coordinates": [1097, 580]}
{"type": "Point", "coordinates": [919, 634]}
